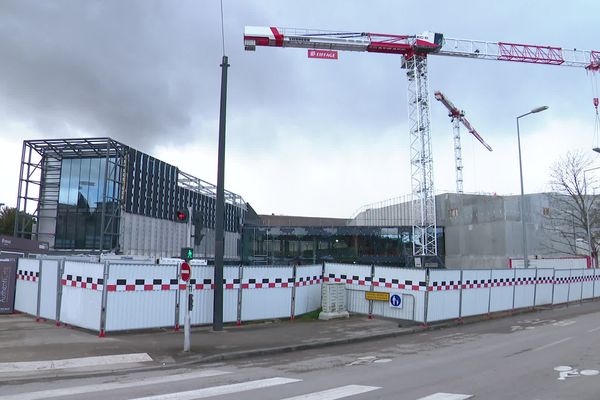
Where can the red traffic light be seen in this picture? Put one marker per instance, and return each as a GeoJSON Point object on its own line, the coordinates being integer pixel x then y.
{"type": "Point", "coordinates": [181, 216]}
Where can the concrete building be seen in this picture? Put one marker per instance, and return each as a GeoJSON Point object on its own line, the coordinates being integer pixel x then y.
{"type": "Point", "coordinates": [98, 195]}
{"type": "Point", "coordinates": [483, 231]}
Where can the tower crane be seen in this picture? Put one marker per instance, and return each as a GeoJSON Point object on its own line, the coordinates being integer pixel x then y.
{"type": "Point", "coordinates": [414, 50]}
{"type": "Point", "coordinates": [457, 117]}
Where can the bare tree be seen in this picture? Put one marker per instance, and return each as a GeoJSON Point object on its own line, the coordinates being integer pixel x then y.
{"type": "Point", "coordinates": [573, 214]}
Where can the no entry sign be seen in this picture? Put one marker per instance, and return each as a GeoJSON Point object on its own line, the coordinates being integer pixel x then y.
{"type": "Point", "coordinates": [186, 271]}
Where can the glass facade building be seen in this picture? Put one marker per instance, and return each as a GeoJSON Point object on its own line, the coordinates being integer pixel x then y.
{"type": "Point", "coordinates": [343, 244]}
{"type": "Point", "coordinates": [80, 200]}
{"type": "Point", "coordinates": [100, 195]}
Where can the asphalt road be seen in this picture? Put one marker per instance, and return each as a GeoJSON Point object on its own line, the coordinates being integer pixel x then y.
{"type": "Point", "coordinates": [547, 355]}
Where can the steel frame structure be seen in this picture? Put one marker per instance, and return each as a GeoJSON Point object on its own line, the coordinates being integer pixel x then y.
{"type": "Point", "coordinates": [421, 158]}
{"type": "Point", "coordinates": [201, 186]}
{"type": "Point", "coordinates": [39, 185]}
{"type": "Point", "coordinates": [457, 117]}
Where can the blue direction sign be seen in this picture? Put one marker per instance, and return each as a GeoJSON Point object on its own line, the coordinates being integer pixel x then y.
{"type": "Point", "coordinates": [396, 300]}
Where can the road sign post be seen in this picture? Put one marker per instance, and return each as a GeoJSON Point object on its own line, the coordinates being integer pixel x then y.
{"type": "Point", "coordinates": [185, 274]}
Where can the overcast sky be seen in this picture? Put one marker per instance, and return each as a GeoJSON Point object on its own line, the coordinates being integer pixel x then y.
{"type": "Point", "coordinates": [304, 136]}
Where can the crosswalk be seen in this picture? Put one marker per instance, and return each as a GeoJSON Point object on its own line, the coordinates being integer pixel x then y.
{"type": "Point", "coordinates": [147, 387]}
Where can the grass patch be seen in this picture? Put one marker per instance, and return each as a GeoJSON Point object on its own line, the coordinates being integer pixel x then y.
{"type": "Point", "coordinates": [309, 316]}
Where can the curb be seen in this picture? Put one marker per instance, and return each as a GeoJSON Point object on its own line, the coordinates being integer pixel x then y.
{"type": "Point", "coordinates": [296, 347]}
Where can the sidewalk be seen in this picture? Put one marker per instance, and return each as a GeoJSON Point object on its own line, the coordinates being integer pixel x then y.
{"type": "Point", "coordinates": [24, 339]}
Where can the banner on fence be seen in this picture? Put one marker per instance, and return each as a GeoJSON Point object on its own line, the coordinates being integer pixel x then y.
{"type": "Point", "coordinates": [8, 281]}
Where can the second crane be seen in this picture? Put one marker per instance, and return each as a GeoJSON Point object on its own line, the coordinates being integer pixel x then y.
{"type": "Point", "coordinates": [457, 117]}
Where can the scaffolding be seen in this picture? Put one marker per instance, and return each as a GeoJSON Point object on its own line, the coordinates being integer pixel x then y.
{"type": "Point", "coordinates": [39, 186]}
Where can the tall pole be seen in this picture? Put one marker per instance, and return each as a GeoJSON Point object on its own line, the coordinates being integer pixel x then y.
{"type": "Point", "coordinates": [220, 209]}
{"type": "Point", "coordinates": [587, 218]}
{"type": "Point", "coordinates": [525, 258]}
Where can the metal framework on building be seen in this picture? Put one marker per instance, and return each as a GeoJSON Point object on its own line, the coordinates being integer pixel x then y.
{"type": "Point", "coordinates": [39, 185]}
{"type": "Point", "coordinates": [200, 186]}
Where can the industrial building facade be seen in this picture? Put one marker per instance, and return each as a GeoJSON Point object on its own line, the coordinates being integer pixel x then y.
{"type": "Point", "coordinates": [99, 195]}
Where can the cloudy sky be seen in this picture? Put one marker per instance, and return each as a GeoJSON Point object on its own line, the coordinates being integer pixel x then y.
{"type": "Point", "coordinates": [304, 136]}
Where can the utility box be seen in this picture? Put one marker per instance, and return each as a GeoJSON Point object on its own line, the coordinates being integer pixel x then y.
{"type": "Point", "coordinates": [333, 301]}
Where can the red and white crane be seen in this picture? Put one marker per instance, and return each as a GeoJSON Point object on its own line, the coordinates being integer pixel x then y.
{"type": "Point", "coordinates": [457, 117]}
{"type": "Point", "coordinates": [414, 50]}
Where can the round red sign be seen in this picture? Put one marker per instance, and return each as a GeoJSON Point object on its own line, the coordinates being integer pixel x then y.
{"type": "Point", "coordinates": [185, 272]}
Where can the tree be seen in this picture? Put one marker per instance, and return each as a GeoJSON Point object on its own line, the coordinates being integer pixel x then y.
{"type": "Point", "coordinates": [573, 215]}
{"type": "Point", "coordinates": [7, 220]}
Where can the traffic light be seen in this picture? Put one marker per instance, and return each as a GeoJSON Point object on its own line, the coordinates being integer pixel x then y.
{"type": "Point", "coordinates": [182, 215]}
{"type": "Point", "coordinates": [198, 222]}
{"type": "Point", "coordinates": [187, 253]}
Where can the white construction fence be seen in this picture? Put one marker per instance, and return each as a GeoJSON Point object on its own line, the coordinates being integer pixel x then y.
{"type": "Point", "coordinates": [114, 296]}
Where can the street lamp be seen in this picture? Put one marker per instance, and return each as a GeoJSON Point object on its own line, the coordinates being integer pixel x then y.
{"type": "Point", "coordinates": [587, 217]}
{"type": "Point", "coordinates": [535, 110]}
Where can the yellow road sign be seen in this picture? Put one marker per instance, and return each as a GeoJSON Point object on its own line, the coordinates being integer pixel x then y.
{"type": "Point", "coordinates": [377, 296]}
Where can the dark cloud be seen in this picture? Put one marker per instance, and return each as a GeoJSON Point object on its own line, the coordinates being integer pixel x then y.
{"type": "Point", "coordinates": [147, 71]}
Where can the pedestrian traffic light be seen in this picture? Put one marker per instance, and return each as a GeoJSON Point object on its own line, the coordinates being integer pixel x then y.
{"type": "Point", "coordinates": [187, 253]}
{"type": "Point", "coordinates": [182, 215]}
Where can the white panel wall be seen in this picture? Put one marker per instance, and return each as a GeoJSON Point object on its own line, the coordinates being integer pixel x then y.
{"type": "Point", "coordinates": [230, 295]}
{"type": "Point", "coordinates": [444, 295]}
{"type": "Point", "coordinates": [26, 294]}
{"type": "Point", "coordinates": [561, 286]}
{"type": "Point", "coordinates": [308, 290]}
{"type": "Point", "coordinates": [544, 287]}
{"type": "Point", "coordinates": [406, 282]}
{"type": "Point", "coordinates": [50, 285]}
{"type": "Point", "coordinates": [81, 307]}
{"type": "Point", "coordinates": [476, 292]}
{"type": "Point", "coordinates": [596, 283]}
{"type": "Point", "coordinates": [575, 285]}
{"type": "Point", "coordinates": [138, 297]}
{"type": "Point", "coordinates": [203, 291]}
{"type": "Point", "coordinates": [588, 284]}
{"type": "Point", "coordinates": [260, 301]}
{"type": "Point", "coordinates": [524, 287]}
{"type": "Point", "coordinates": [501, 296]}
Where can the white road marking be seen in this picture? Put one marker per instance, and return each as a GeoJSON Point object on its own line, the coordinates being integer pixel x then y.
{"type": "Point", "coordinates": [47, 394]}
{"type": "Point", "coordinates": [446, 396]}
{"type": "Point", "coordinates": [220, 390]}
{"type": "Point", "coordinates": [594, 330]}
{"type": "Point", "coordinates": [562, 368]}
{"type": "Point", "coordinates": [589, 372]}
{"type": "Point", "coordinates": [337, 393]}
{"type": "Point", "coordinates": [552, 344]}
{"type": "Point", "coordinates": [383, 360]}
{"type": "Point", "coordinates": [74, 362]}
{"type": "Point", "coordinates": [564, 323]}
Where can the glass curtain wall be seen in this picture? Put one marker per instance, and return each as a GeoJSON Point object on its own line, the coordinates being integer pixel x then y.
{"type": "Point", "coordinates": [80, 202]}
{"type": "Point", "coordinates": [302, 245]}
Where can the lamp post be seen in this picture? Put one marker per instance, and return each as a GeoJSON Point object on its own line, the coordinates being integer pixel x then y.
{"type": "Point", "coordinates": [587, 217]}
{"type": "Point", "coordinates": [535, 110]}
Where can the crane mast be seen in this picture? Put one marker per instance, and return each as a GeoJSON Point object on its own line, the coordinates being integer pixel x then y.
{"type": "Point", "coordinates": [414, 50]}
{"type": "Point", "coordinates": [457, 117]}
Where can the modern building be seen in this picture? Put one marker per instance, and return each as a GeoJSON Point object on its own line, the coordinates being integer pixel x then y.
{"type": "Point", "coordinates": [98, 195]}
{"type": "Point", "coordinates": [282, 239]}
